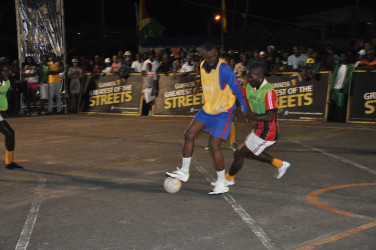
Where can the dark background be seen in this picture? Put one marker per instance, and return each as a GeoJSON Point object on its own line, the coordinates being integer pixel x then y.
{"type": "Point", "coordinates": [181, 18]}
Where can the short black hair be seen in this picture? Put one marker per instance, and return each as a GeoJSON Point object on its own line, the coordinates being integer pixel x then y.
{"type": "Point", "coordinates": [208, 46]}
{"type": "Point", "coordinates": [257, 68]}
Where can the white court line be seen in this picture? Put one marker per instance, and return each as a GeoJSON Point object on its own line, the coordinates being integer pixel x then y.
{"type": "Point", "coordinates": [256, 229]}
{"type": "Point", "coordinates": [338, 158]}
{"type": "Point", "coordinates": [32, 217]}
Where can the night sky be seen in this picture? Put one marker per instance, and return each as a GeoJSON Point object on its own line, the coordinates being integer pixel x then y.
{"type": "Point", "coordinates": [179, 17]}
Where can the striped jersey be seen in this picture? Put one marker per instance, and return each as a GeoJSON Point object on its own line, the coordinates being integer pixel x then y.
{"type": "Point", "coordinates": [260, 101]}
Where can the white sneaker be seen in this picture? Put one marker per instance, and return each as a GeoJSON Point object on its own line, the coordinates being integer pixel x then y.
{"type": "Point", "coordinates": [229, 183]}
{"type": "Point", "coordinates": [179, 174]}
{"type": "Point", "coordinates": [282, 170]}
{"type": "Point", "coordinates": [220, 188]}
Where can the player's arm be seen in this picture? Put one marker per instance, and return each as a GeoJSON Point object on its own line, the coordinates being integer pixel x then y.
{"type": "Point", "coordinates": [229, 78]}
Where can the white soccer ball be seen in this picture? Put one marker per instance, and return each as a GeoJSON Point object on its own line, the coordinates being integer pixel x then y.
{"type": "Point", "coordinates": [172, 185]}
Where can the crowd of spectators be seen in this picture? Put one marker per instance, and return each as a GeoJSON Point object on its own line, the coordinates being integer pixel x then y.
{"type": "Point", "coordinates": [35, 77]}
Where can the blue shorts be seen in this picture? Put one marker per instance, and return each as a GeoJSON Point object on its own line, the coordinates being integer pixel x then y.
{"type": "Point", "coordinates": [219, 125]}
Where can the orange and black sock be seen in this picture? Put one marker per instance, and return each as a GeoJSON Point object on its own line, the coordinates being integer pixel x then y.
{"type": "Point", "coordinates": [8, 157]}
{"type": "Point", "coordinates": [277, 163]}
{"type": "Point", "coordinates": [229, 177]}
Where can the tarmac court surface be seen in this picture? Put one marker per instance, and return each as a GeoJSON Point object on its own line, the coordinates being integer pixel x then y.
{"type": "Point", "coordinates": [95, 182]}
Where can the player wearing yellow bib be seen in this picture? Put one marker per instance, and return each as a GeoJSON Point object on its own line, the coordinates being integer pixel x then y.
{"type": "Point", "coordinates": [4, 126]}
{"type": "Point", "coordinates": [220, 90]}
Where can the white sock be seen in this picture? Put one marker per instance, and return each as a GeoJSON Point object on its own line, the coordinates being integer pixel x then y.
{"type": "Point", "coordinates": [221, 176]}
{"type": "Point", "coordinates": [186, 164]}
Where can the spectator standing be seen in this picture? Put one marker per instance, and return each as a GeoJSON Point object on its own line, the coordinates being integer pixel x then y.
{"type": "Point", "coordinates": [339, 86]}
{"type": "Point", "coordinates": [361, 57]}
{"type": "Point", "coordinates": [166, 66]}
{"type": "Point", "coordinates": [127, 56]}
{"type": "Point", "coordinates": [126, 68]}
{"type": "Point", "coordinates": [154, 63]}
{"type": "Point", "coordinates": [43, 83]}
{"type": "Point", "coordinates": [278, 65]}
{"type": "Point", "coordinates": [296, 61]}
{"type": "Point", "coordinates": [310, 70]}
{"type": "Point", "coordinates": [75, 76]}
{"type": "Point", "coordinates": [54, 84]}
{"type": "Point", "coordinates": [187, 66]}
{"type": "Point", "coordinates": [136, 66]}
{"type": "Point", "coordinates": [30, 73]}
{"type": "Point", "coordinates": [150, 81]}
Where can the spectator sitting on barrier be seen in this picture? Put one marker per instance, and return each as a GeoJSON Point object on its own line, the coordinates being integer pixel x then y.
{"type": "Point", "coordinates": [187, 66]}
{"type": "Point", "coordinates": [150, 81]}
{"type": "Point", "coordinates": [296, 61]}
{"type": "Point", "coordinates": [154, 63]}
{"type": "Point", "coordinates": [339, 87]}
{"type": "Point", "coordinates": [165, 66]}
{"type": "Point", "coordinates": [136, 66]}
{"type": "Point", "coordinates": [107, 67]}
{"type": "Point", "coordinates": [116, 64]}
{"type": "Point", "coordinates": [369, 63]}
{"type": "Point", "coordinates": [310, 70]}
{"type": "Point", "coordinates": [30, 73]}
{"type": "Point", "coordinates": [75, 76]}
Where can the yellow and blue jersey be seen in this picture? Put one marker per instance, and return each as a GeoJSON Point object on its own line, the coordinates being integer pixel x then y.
{"type": "Point", "coordinates": [221, 89]}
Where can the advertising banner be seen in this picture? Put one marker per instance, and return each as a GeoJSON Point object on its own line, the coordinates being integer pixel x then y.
{"type": "Point", "coordinates": [362, 97]}
{"type": "Point", "coordinates": [112, 94]}
{"type": "Point", "coordinates": [176, 95]}
{"type": "Point", "coordinates": [303, 99]}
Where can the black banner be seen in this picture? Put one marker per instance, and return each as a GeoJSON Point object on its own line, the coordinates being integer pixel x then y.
{"type": "Point", "coordinates": [302, 99]}
{"type": "Point", "coordinates": [362, 97]}
{"type": "Point", "coordinates": [176, 95]}
{"type": "Point", "coordinates": [111, 94]}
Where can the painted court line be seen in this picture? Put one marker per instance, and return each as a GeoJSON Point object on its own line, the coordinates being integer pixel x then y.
{"type": "Point", "coordinates": [256, 229]}
{"type": "Point", "coordinates": [31, 218]}
{"type": "Point", "coordinates": [313, 199]}
{"type": "Point", "coordinates": [338, 158]}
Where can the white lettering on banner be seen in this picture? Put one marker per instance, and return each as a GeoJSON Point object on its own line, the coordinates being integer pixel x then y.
{"type": "Point", "coordinates": [370, 96]}
{"type": "Point", "coordinates": [281, 84]}
{"type": "Point", "coordinates": [178, 93]}
{"type": "Point", "coordinates": [185, 85]}
{"type": "Point", "coordinates": [106, 84]}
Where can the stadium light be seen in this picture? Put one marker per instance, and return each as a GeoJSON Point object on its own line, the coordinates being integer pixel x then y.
{"type": "Point", "coordinates": [217, 17]}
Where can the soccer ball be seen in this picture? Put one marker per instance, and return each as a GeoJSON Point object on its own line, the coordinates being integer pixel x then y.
{"type": "Point", "coordinates": [172, 185]}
